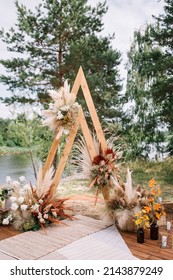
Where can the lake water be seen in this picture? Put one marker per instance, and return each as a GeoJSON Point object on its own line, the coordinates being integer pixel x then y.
{"type": "Point", "coordinates": [16, 166]}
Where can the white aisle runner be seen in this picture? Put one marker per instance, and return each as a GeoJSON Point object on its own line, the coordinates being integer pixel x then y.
{"type": "Point", "coordinates": [82, 239]}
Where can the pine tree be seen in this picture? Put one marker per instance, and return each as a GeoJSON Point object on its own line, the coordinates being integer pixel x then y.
{"type": "Point", "coordinates": [51, 44]}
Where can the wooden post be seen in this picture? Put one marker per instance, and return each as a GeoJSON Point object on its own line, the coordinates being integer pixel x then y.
{"type": "Point", "coordinates": [51, 154]}
{"type": "Point", "coordinates": [67, 150]}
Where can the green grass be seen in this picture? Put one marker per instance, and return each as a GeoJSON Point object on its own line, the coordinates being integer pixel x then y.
{"type": "Point", "coordinates": [143, 171]}
{"type": "Point", "coordinates": [162, 172]}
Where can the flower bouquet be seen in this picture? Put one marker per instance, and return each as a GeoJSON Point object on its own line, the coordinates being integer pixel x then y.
{"type": "Point", "coordinates": [124, 202]}
{"type": "Point", "coordinates": [62, 112]}
{"type": "Point", "coordinates": [34, 207]}
{"type": "Point", "coordinates": [102, 167]}
{"type": "Point", "coordinates": [151, 207]}
{"type": "Point", "coordinates": [151, 211]}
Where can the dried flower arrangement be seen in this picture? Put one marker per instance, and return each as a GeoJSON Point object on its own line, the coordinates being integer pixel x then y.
{"type": "Point", "coordinates": [61, 113]}
{"type": "Point", "coordinates": [34, 207]}
{"type": "Point", "coordinates": [124, 202]}
{"type": "Point", "coordinates": [102, 168]}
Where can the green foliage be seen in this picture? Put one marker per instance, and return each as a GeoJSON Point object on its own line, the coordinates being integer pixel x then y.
{"type": "Point", "coordinates": [1, 140]}
{"type": "Point", "coordinates": [4, 130]}
{"type": "Point", "coordinates": [149, 84]}
{"type": "Point", "coordinates": [55, 40]}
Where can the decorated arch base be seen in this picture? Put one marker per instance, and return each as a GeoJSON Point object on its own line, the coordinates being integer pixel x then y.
{"type": "Point", "coordinates": [79, 121]}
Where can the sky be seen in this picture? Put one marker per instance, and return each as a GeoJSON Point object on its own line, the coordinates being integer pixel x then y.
{"type": "Point", "coordinates": [123, 18]}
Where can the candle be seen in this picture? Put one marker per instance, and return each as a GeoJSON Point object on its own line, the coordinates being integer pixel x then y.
{"type": "Point", "coordinates": [164, 241]}
{"type": "Point", "coordinates": [168, 225]}
{"type": "Point", "coordinates": [159, 199]}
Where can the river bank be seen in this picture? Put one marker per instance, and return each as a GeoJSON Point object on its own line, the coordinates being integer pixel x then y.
{"type": "Point", "coordinates": [13, 150]}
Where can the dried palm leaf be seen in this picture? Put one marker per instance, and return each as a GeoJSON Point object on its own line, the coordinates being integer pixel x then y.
{"type": "Point", "coordinates": [44, 184]}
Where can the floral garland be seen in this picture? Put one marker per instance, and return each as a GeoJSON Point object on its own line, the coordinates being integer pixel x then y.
{"type": "Point", "coordinates": [61, 114]}
{"type": "Point", "coordinates": [102, 170]}
{"type": "Point", "coordinates": [103, 166]}
{"type": "Point", "coordinates": [34, 207]}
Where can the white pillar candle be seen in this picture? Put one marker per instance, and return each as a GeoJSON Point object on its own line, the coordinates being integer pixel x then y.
{"type": "Point", "coordinates": [168, 225]}
{"type": "Point", "coordinates": [159, 199]}
{"type": "Point", "coordinates": [164, 241]}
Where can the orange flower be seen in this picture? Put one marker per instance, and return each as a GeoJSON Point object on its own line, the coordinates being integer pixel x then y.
{"type": "Point", "coordinates": [157, 206]}
{"type": "Point", "coordinates": [147, 209]}
{"type": "Point", "coordinates": [152, 183]}
{"type": "Point", "coordinates": [159, 191]}
{"type": "Point", "coordinates": [158, 215]}
{"type": "Point", "coordinates": [150, 199]}
{"type": "Point", "coordinates": [153, 192]}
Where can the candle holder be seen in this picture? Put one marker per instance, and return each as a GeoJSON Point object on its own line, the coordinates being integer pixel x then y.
{"type": "Point", "coordinates": [165, 240]}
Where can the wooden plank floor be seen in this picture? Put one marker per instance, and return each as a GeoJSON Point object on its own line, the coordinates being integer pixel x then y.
{"type": "Point", "coordinates": [7, 231]}
{"type": "Point", "coordinates": [149, 250]}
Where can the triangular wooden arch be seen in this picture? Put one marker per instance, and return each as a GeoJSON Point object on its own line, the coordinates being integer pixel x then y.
{"type": "Point", "coordinates": [79, 121]}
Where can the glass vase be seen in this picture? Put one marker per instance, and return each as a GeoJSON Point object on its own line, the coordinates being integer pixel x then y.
{"type": "Point", "coordinates": [154, 231]}
{"type": "Point", "coordinates": [140, 235]}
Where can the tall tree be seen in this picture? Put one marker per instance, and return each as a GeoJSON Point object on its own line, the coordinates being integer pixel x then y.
{"type": "Point", "coordinates": [50, 45]}
{"type": "Point", "coordinates": [144, 121]}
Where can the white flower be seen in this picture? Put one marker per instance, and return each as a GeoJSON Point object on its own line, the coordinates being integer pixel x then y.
{"type": "Point", "coordinates": [14, 206]}
{"type": "Point", "coordinates": [54, 214]}
{"type": "Point", "coordinates": [65, 108]}
{"type": "Point", "coordinates": [8, 179]}
{"type": "Point", "coordinates": [16, 184]}
{"type": "Point", "coordinates": [51, 106]}
{"type": "Point", "coordinates": [76, 105]}
{"type": "Point", "coordinates": [102, 162]}
{"type": "Point", "coordinates": [5, 221]}
{"type": "Point", "coordinates": [35, 207]}
{"type": "Point", "coordinates": [66, 131]}
{"type": "Point", "coordinates": [39, 215]}
{"type": "Point", "coordinates": [45, 216]}
{"type": "Point", "coordinates": [23, 207]}
{"type": "Point", "coordinates": [59, 115]}
{"type": "Point", "coordinates": [22, 179]}
{"type": "Point", "coordinates": [13, 199]}
{"type": "Point", "coordinates": [21, 199]}
{"type": "Point", "coordinates": [26, 187]}
{"type": "Point", "coordinates": [21, 191]}
{"type": "Point", "coordinates": [42, 221]}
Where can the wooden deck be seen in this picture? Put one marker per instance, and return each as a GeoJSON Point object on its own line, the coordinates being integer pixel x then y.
{"type": "Point", "coordinates": [149, 250]}
{"type": "Point", "coordinates": [7, 231]}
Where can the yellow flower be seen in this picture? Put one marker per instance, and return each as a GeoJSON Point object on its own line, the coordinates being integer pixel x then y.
{"type": "Point", "coordinates": [138, 222]}
{"type": "Point", "coordinates": [146, 217]}
{"type": "Point", "coordinates": [137, 214]}
{"type": "Point", "coordinates": [158, 215]}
